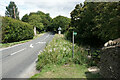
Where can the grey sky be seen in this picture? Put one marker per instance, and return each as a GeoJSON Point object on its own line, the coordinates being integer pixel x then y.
{"type": "Point", "coordinates": [54, 7]}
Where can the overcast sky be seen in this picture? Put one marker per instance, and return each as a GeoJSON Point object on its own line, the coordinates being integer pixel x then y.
{"type": "Point", "coordinates": [54, 7]}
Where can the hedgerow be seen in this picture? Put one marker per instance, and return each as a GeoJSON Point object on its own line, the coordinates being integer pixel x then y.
{"type": "Point", "coordinates": [15, 30]}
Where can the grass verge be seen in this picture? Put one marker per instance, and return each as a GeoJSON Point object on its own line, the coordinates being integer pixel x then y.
{"type": "Point", "coordinates": [56, 61]}
{"type": "Point", "coordinates": [65, 71]}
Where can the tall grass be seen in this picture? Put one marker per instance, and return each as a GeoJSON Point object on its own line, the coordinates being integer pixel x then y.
{"type": "Point", "coordinates": [59, 51]}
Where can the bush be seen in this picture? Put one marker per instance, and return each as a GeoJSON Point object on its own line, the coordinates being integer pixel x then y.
{"type": "Point", "coordinates": [15, 30]}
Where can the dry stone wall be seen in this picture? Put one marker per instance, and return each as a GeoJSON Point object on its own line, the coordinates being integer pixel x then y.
{"type": "Point", "coordinates": [110, 62]}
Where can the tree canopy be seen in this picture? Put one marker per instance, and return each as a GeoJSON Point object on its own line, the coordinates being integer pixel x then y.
{"type": "Point", "coordinates": [60, 21]}
{"type": "Point", "coordinates": [12, 10]}
{"type": "Point", "coordinates": [25, 18]}
{"type": "Point", "coordinates": [96, 23]}
{"type": "Point", "coordinates": [38, 19]}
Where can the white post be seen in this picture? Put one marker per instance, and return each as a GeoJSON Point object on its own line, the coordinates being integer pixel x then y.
{"type": "Point", "coordinates": [34, 30]}
{"type": "Point", "coordinates": [59, 32]}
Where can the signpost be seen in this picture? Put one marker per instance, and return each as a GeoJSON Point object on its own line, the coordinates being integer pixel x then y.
{"type": "Point", "coordinates": [59, 30]}
{"type": "Point", "coordinates": [74, 33]}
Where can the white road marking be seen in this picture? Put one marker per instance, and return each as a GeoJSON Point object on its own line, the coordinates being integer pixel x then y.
{"type": "Point", "coordinates": [19, 44]}
{"type": "Point", "coordinates": [31, 45]}
{"type": "Point", "coordinates": [46, 37]}
{"type": "Point", "coordinates": [40, 42]}
{"type": "Point", "coordinates": [17, 51]}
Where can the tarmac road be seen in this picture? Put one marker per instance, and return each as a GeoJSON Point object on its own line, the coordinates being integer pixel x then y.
{"type": "Point", "coordinates": [16, 59]}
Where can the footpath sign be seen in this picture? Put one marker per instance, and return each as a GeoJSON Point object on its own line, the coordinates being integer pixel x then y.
{"type": "Point", "coordinates": [74, 33]}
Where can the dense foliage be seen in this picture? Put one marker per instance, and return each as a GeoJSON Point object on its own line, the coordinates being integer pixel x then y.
{"type": "Point", "coordinates": [38, 19]}
{"type": "Point", "coordinates": [95, 23]}
{"type": "Point", "coordinates": [44, 22]}
{"type": "Point", "coordinates": [35, 20]}
{"type": "Point", "coordinates": [60, 21]}
{"type": "Point", "coordinates": [15, 30]}
{"type": "Point", "coordinates": [12, 10]}
{"type": "Point", "coordinates": [25, 18]}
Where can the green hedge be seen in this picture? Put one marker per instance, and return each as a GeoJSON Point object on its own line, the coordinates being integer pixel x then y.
{"type": "Point", "coordinates": [15, 30]}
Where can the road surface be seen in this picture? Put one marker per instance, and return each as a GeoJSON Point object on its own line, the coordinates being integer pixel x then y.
{"type": "Point", "coordinates": [16, 59]}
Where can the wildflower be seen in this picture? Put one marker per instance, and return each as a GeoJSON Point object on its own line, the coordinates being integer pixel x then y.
{"type": "Point", "coordinates": [50, 50]}
{"type": "Point", "coordinates": [64, 48]}
{"type": "Point", "coordinates": [54, 49]}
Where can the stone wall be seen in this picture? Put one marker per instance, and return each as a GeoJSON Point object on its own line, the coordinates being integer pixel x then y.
{"type": "Point", "coordinates": [110, 62]}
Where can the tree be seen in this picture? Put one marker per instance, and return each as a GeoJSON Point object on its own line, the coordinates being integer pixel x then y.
{"type": "Point", "coordinates": [39, 19]}
{"type": "Point", "coordinates": [108, 21]}
{"type": "Point", "coordinates": [25, 18]}
{"type": "Point", "coordinates": [12, 11]}
{"type": "Point", "coordinates": [46, 20]}
{"type": "Point", "coordinates": [96, 23]}
{"type": "Point", "coordinates": [36, 21]}
{"type": "Point", "coordinates": [60, 21]}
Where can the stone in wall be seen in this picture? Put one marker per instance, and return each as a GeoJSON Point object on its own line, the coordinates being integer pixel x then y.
{"type": "Point", "coordinates": [110, 61]}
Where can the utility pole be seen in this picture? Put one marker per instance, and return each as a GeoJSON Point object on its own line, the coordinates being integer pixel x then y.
{"type": "Point", "coordinates": [14, 12]}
